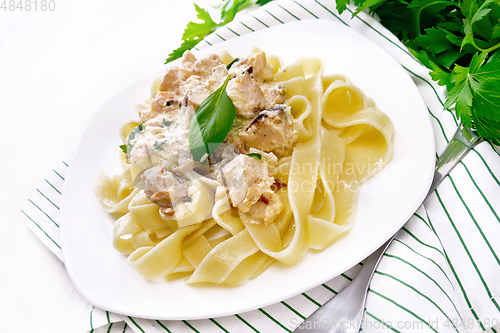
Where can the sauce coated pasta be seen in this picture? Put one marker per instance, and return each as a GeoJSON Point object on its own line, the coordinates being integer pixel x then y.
{"type": "Point", "coordinates": [285, 178]}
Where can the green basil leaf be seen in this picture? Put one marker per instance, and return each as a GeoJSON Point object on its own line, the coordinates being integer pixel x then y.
{"type": "Point", "coordinates": [211, 123]}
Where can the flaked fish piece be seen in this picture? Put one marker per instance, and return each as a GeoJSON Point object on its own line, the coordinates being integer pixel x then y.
{"type": "Point", "coordinates": [246, 95]}
{"type": "Point", "coordinates": [175, 196]}
{"type": "Point", "coordinates": [275, 93]}
{"type": "Point", "coordinates": [246, 179]}
{"type": "Point", "coordinates": [192, 82]}
{"type": "Point", "coordinates": [273, 130]}
{"type": "Point", "coordinates": [208, 75]}
{"type": "Point", "coordinates": [188, 59]}
{"type": "Point", "coordinates": [172, 80]}
{"type": "Point", "coordinates": [204, 67]}
{"type": "Point", "coordinates": [266, 209]}
{"type": "Point", "coordinates": [157, 182]}
{"type": "Point", "coordinates": [255, 65]}
{"type": "Point", "coordinates": [165, 101]}
{"type": "Point", "coordinates": [164, 140]}
{"type": "Point", "coordinates": [174, 76]}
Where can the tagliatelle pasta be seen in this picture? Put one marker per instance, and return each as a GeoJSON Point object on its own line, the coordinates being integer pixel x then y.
{"type": "Point", "coordinates": [216, 226]}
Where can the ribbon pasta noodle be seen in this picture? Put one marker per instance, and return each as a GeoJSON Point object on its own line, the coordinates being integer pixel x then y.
{"type": "Point", "coordinates": [338, 140]}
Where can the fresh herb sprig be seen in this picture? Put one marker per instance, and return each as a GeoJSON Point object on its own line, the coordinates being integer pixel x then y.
{"type": "Point", "coordinates": [196, 31]}
{"type": "Point", "coordinates": [127, 147]}
{"type": "Point", "coordinates": [459, 41]}
{"type": "Point", "coordinates": [211, 123]}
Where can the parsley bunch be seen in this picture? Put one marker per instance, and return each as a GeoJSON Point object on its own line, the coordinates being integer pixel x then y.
{"type": "Point", "coordinates": [459, 41]}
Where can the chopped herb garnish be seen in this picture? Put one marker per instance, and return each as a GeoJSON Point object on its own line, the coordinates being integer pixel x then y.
{"type": "Point", "coordinates": [157, 146]}
{"type": "Point", "coordinates": [127, 148]}
{"type": "Point", "coordinates": [138, 129]}
{"type": "Point", "coordinates": [167, 123]}
{"type": "Point", "coordinates": [232, 62]}
{"type": "Point", "coordinates": [124, 148]}
{"type": "Point", "coordinates": [259, 156]}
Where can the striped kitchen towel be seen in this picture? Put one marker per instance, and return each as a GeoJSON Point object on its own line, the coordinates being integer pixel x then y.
{"type": "Point", "coordinates": [442, 272]}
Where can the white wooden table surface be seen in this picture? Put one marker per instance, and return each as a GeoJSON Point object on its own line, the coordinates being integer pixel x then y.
{"type": "Point", "coordinates": [56, 68]}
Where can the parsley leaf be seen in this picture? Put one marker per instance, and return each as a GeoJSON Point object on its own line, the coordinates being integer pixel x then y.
{"type": "Point", "coordinates": [342, 5]}
{"type": "Point", "coordinates": [367, 4]}
{"type": "Point", "coordinates": [211, 123]}
{"type": "Point", "coordinates": [262, 2]}
{"type": "Point", "coordinates": [177, 53]}
{"type": "Point", "coordinates": [495, 33]}
{"type": "Point", "coordinates": [397, 18]}
{"type": "Point", "coordinates": [461, 94]}
{"type": "Point", "coordinates": [459, 41]}
{"type": "Point", "coordinates": [477, 96]}
{"type": "Point", "coordinates": [196, 31]}
{"type": "Point", "coordinates": [438, 72]}
{"type": "Point", "coordinates": [230, 8]}
{"type": "Point", "coordinates": [474, 16]}
{"type": "Point", "coordinates": [487, 128]}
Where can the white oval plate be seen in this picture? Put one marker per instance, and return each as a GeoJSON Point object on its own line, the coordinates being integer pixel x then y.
{"type": "Point", "coordinates": [386, 202]}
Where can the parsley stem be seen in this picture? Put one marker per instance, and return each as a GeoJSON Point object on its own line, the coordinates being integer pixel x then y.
{"type": "Point", "coordinates": [417, 16]}
{"type": "Point", "coordinates": [488, 50]}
